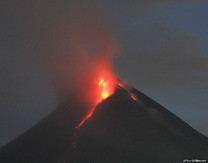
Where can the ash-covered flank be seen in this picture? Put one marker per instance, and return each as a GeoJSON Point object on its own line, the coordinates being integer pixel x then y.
{"type": "Point", "coordinates": [121, 129]}
{"type": "Point", "coordinates": [124, 130]}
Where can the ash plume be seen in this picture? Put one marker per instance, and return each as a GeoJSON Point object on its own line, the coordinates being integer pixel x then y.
{"type": "Point", "coordinates": [74, 40]}
{"type": "Point", "coordinates": [77, 45]}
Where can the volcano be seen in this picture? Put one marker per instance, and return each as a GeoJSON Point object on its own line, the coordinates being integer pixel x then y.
{"type": "Point", "coordinates": [121, 129]}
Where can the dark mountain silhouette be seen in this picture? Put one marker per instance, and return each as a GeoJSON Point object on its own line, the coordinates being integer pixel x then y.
{"type": "Point", "coordinates": [120, 130]}
{"type": "Point", "coordinates": [49, 141]}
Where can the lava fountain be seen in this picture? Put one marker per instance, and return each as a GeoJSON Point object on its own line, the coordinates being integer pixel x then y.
{"type": "Point", "coordinates": [105, 91]}
{"type": "Point", "coordinates": [104, 85]}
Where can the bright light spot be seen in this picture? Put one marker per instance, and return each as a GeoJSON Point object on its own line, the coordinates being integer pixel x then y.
{"type": "Point", "coordinates": [105, 95]}
{"type": "Point", "coordinates": [133, 97]}
{"type": "Point", "coordinates": [104, 89]}
{"type": "Point", "coordinates": [101, 82]}
{"type": "Point", "coordinates": [105, 84]}
{"type": "Point", "coordinates": [100, 85]}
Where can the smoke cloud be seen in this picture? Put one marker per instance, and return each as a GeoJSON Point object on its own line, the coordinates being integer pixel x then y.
{"type": "Point", "coordinates": [74, 44]}
{"type": "Point", "coordinates": [68, 41]}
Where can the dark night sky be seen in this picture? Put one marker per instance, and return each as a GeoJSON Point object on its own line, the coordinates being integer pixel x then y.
{"type": "Point", "coordinates": [164, 54]}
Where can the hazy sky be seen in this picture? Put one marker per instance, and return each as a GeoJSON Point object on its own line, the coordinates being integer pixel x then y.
{"type": "Point", "coordinates": [163, 53]}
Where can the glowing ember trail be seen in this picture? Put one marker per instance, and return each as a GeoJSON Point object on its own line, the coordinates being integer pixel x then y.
{"type": "Point", "coordinates": [80, 124]}
{"type": "Point", "coordinates": [126, 87]}
{"type": "Point", "coordinates": [102, 86]}
{"type": "Point", "coordinates": [104, 90]}
{"type": "Point", "coordinates": [104, 93]}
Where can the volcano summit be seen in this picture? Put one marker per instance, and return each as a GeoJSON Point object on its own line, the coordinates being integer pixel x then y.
{"type": "Point", "coordinates": [120, 129]}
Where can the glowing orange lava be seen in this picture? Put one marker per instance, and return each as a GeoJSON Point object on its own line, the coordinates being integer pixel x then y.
{"type": "Point", "coordinates": [125, 86]}
{"type": "Point", "coordinates": [104, 88]}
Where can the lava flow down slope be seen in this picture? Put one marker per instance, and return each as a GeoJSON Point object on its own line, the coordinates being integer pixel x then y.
{"type": "Point", "coordinates": [121, 128]}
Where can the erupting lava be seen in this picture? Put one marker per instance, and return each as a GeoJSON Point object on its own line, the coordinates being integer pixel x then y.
{"type": "Point", "coordinates": [104, 86]}
{"type": "Point", "coordinates": [104, 92]}
{"type": "Point", "coordinates": [125, 85]}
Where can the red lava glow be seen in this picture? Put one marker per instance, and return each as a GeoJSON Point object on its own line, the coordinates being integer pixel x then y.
{"type": "Point", "coordinates": [103, 86]}
{"type": "Point", "coordinates": [105, 90]}
{"type": "Point", "coordinates": [86, 118]}
{"type": "Point", "coordinates": [105, 83]}
{"type": "Point", "coordinates": [126, 87]}
{"type": "Point", "coordinates": [80, 124]}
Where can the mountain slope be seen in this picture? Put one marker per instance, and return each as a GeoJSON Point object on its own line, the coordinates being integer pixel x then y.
{"type": "Point", "coordinates": [50, 140]}
{"type": "Point", "coordinates": [120, 130]}
{"type": "Point", "coordinates": [124, 130]}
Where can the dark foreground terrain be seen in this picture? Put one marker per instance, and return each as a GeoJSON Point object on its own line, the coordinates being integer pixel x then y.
{"type": "Point", "coordinates": [120, 130]}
